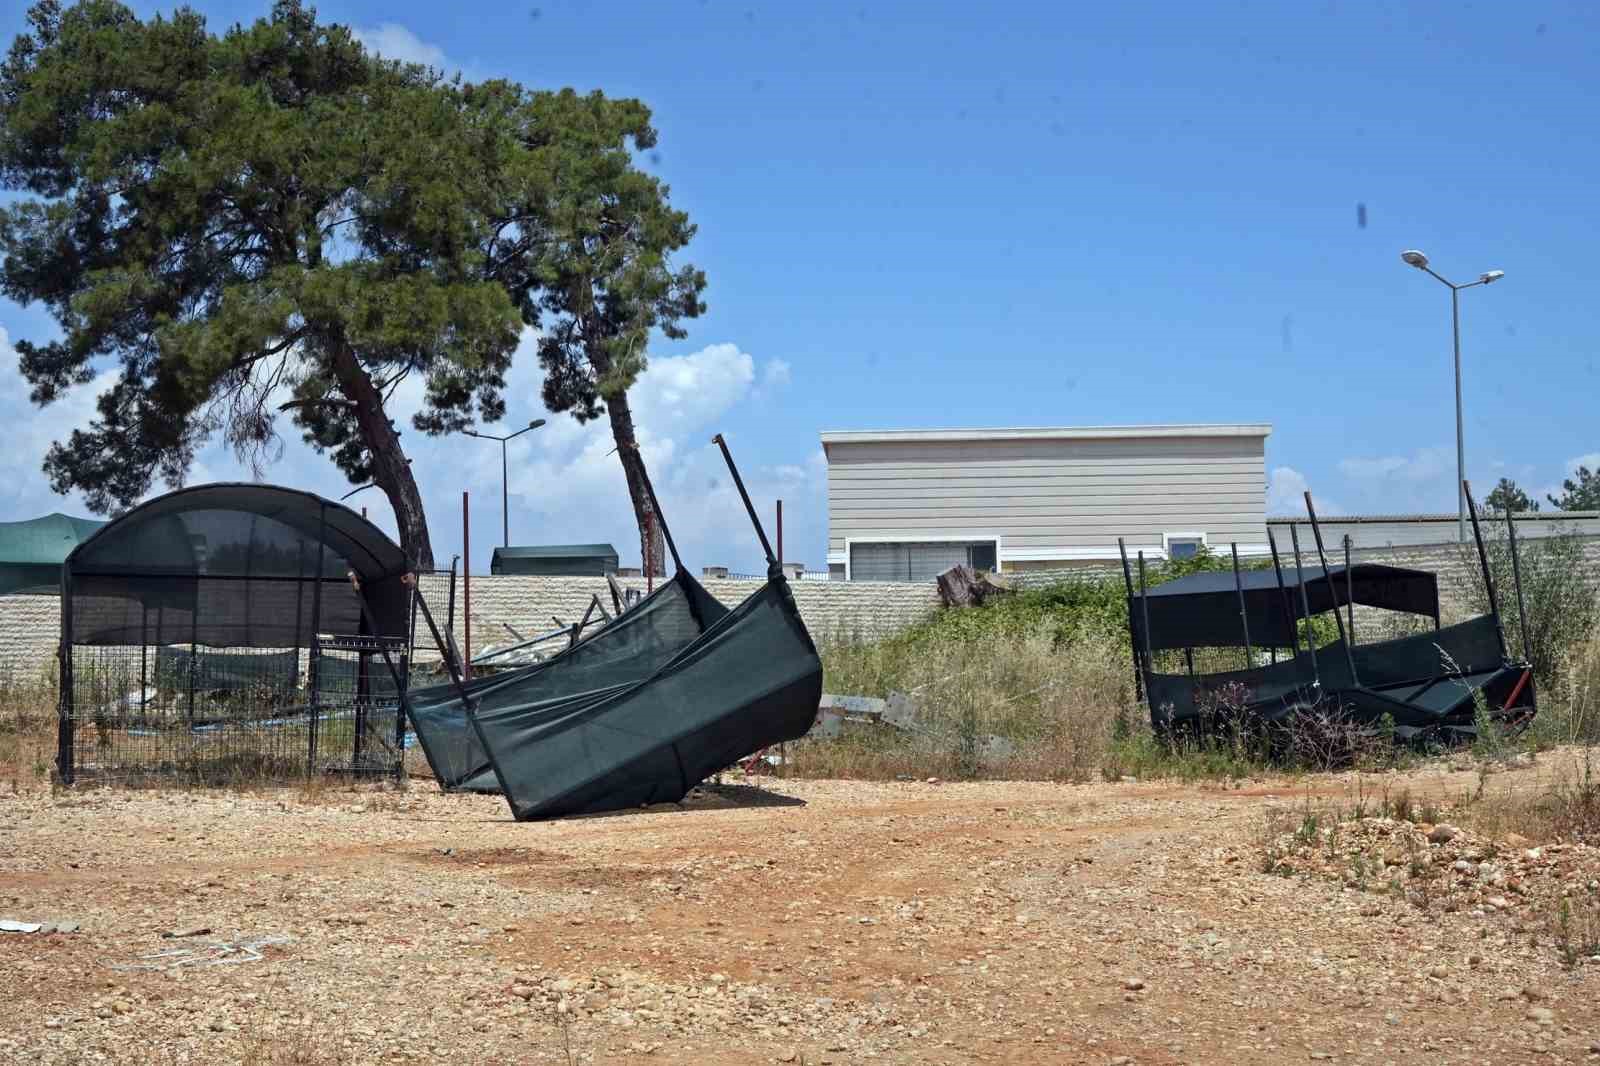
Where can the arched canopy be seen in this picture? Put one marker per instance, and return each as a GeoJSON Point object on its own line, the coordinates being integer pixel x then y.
{"type": "Point", "coordinates": [235, 565]}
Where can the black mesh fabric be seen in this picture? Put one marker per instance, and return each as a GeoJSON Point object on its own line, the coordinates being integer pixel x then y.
{"type": "Point", "coordinates": [632, 647]}
{"type": "Point", "coordinates": [1473, 645]}
{"type": "Point", "coordinates": [751, 680]}
{"type": "Point", "coordinates": [1202, 610]}
{"type": "Point", "coordinates": [1422, 682]}
{"type": "Point", "coordinates": [233, 565]}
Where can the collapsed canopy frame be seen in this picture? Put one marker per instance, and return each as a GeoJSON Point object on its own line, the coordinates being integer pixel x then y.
{"type": "Point", "coordinates": [1202, 610]}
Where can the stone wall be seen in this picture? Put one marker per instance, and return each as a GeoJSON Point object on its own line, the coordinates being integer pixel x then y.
{"type": "Point", "coordinates": [830, 608]}
{"type": "Point", "coordinates": [1457, 566]}
{"type": "Point", "coordinates": [30, 626]}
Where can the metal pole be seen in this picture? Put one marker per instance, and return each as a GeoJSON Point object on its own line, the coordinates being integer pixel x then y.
{"type": "Point", "coordinates": [780, 532]}
{"type": "Point", "coordinates": [1244, 618]}
{"type": "Point", "coordinates": [1305, 604]}
{"type": "Point", "coordinates": [1144, 610]}
{"type": "Point", "coordinates": [1461, 448]}
{"type": "Point", "coordinates": [1133, 637]}
{"type": "Point", "coordinates": [314, 661]}
{"type": "Point", "coordinates": [1516, 576]}
{"type": "Point", "coordinates": [1322, 557]}
{"type": "Point", "coordinates": [66, 740]}
{"type": "Point", "coordinates": [1483, 559]}
{"type": "Point", "coordinates": [773, 569]}
{"type": "Point", "coordinates": [1283, 595]}
{"type": "Point", "coordinates": [466, 588]}
{"type": "Point", "coordinates": [1349, 590]}
{"type": "Point", "coordinates": [505, 501]}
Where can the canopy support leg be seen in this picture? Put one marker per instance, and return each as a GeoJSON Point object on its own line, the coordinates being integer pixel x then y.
{"type": "Point", "coordinates": [1349, 590]}
{"type": "Point", "coordinates": [1144, 609]}
{"type": "Point", "coordinates": [1338, 617]}
{"type": "Point", "coordinates": [1516, 576]}
{"type": "Point", "coordinates": [1483, 560]}
{"type": "Point", "coordinates": [1133, 637]}
{"type": "Point", "coordinates": [1283, 595]}
{"type": "Point", "coordinates": [774, 567]}
{"type": "Point", "coordinates": [1305, 604]}
{"type": "Point", "coordinates": [1244, 618]}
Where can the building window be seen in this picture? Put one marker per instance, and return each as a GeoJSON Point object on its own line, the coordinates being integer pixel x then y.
{"type": "Point", "coordinates": [1183, 545]}
{"type": "Point", "coordinates": [921, 560]}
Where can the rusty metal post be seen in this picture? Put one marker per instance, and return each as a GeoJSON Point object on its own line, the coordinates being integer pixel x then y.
{"type": "Point", "coordinates": [466, 588]}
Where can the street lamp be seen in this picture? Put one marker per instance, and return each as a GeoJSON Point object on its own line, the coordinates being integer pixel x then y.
{"type": "Point", "coordinates": [1412, 257]}
{"type": "Point", "coordinates": [505, 513]}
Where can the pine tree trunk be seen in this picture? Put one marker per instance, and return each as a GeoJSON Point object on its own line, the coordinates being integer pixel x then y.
{"type": "Point", "coordinates": [390, 470]}
{"type": "Point", "coordinates": [633, 469]}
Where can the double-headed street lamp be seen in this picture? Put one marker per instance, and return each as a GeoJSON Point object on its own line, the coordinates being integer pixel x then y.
{"type": "Point", "coordinates": [505, 513]}
{"type": "Point", "coordinates": [1412, 257]}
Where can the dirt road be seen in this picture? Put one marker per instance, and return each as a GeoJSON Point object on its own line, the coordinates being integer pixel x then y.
{"type": "Point", "coordinates": [796, 922]}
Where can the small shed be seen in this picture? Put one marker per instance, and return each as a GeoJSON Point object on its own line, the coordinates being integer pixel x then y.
{"type": "Point", "coordinates": [31, 552]}
{"type": "Point", "coordinates": [555, 560]}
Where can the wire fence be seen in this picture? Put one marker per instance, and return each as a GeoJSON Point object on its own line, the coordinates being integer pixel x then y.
{"type": "Point", "coordinates": [209, 714]}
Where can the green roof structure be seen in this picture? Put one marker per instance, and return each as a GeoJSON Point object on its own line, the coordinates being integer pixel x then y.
{"type": "Point", "coordinates": [555, 560]}
{"type": "Point", "coordinates": [31, 552]}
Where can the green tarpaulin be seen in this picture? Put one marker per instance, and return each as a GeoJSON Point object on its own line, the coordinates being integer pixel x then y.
{"type": "Point", "coordinates": [632, 647]}
{"type": "Point", "coordinates": [570, 737]}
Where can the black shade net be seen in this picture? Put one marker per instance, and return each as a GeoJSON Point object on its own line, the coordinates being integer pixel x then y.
{"type": "Point", "coordinates": [630, 648]}
{"type": "Point", "coordinates": [1202, 610]}
{"type": "Point", "coordinates": [753, 679]}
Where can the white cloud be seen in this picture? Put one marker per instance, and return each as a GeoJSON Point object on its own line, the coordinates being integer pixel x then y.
{"type": "Point", "coordinates": [685, 392]}
{"type": "Point", "coordinates": [394, 41]}
{"type": "Point", "coordinates": [1286, 488]}
{"type": "Point", "coordinates": [1426, 464]}
{"type": "Point", "coordinates": [565, 481]}
{"type": "Point", "coordinates": [1587, 459]}
{"type": "Point", "coordinates": [775, 376]}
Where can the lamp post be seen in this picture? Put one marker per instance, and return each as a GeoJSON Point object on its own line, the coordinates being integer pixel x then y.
{"type": "Point", "coordinates": [505, 511]}
{"type": "Point", "coordinates": [1412, 257]}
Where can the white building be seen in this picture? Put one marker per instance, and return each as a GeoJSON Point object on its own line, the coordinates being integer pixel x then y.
{"type": "Point", "coordinates": [906, 504]}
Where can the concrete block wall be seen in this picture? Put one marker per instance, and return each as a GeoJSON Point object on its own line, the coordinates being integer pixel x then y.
{"type": "Point", "coordinates": [30, 625]}
{"type": "Point", "coordinates": [30, 629]}
{"type": "Point", "coordinates": [829, 608]}
{"type": "Point", "coordinates": [1455, 564]}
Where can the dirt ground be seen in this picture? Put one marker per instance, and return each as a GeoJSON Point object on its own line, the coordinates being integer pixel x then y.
{"type": "Point", "coordinates": [815, 922]}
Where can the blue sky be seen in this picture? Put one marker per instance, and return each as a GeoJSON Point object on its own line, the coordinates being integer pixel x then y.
{"type": "Point", "coordinates": [930, 214]}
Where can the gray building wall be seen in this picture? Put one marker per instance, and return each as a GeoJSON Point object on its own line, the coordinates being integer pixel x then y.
{"type": "Point", "coordinates": [1050, 497]}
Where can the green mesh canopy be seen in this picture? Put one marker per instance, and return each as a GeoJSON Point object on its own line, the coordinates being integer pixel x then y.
{"type": "Point", "coordinates": [632, 647]}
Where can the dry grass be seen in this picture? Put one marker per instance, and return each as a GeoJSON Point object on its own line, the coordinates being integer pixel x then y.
{"type": "Point", "coordinates": [1566, 811]}
{"type": "Point", "coordinates": [1569, 703]}
{"type": "Point", "coordinates": [988, 706]}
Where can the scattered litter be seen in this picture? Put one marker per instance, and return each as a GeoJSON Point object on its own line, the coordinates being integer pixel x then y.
{"type": "Point", "coordinates": [222, 954]}
{"type": "Point", "coordinates": [11, 925]}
